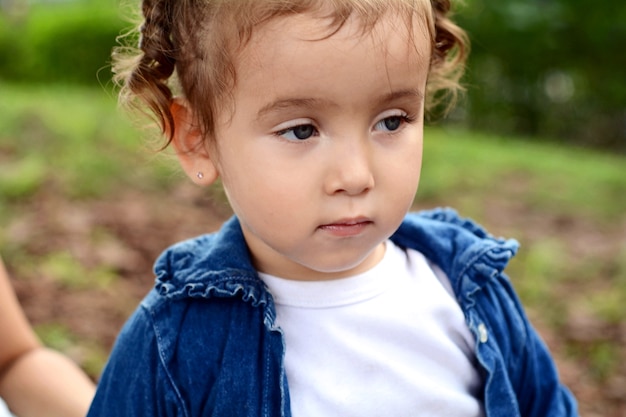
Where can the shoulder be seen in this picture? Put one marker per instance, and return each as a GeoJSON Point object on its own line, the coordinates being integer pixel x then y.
{"type": "Point", "coordinates": [201, 284]}
{"type": "Point", "coordinates": [214, 265]}
{"type": "Point", "coordinates": [441, 233]}
{"type": "Point", "coordinates": [464, 250]}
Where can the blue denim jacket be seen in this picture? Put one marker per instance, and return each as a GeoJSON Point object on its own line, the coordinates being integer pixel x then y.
{"type": "Point", "coordinates": [204, 341]}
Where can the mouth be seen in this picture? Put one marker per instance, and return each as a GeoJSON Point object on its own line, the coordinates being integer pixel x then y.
{"type": "Point", "coordinates": [347, 227]}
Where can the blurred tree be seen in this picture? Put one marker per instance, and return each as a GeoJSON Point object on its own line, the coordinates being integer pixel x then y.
{"type": "Point", "coordinates": [64, 42]}
{"type": "Point", "coordinates": [550, 68]}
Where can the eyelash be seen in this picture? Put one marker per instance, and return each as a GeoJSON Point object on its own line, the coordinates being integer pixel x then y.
{"type": "Point", "coordinates": [404, 119]}
{"type": "Point", "coordinates": [283, 132]}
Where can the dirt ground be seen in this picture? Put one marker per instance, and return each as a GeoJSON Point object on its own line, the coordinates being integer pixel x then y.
{"type": "Point", "coordinates": [127, 232]}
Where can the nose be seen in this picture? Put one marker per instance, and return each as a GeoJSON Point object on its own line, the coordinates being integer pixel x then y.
{"type": "Point", "coordinates": [351, 169]}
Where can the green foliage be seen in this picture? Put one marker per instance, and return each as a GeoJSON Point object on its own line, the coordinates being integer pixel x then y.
{"type": "Point", "coordinates": [60, 42]}
{"type": "Point", "coordinates": [601, 357]}
{"type": "Point", "coordinates": [460, 165]}
{"type": "Point", "coordinates": [72, 140]}
{"type": "Point", "coordinates": [22, 178]}
{"type": "Point", "coordinates": [548, 68]}
{"type": "Point", "coordinates": [61, 267]}
{"type": "Point", "coordinates": [55, 335]}
{"type": "Point", "coordinates": [536, 269]}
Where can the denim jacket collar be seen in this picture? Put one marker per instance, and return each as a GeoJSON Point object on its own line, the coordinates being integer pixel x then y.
{"type": "Point", "coordinates": [210, 265]}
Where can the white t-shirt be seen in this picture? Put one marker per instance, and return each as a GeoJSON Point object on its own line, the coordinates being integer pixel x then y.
{"type": "Point", "coordinates": [389, 342]}
{"type": "Point", "coordinates": [4, 410]}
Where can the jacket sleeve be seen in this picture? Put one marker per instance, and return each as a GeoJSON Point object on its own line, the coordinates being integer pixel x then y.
{"type": "Point", "coordinates": [529, 364]}
{"type": "Point", "coordinates": [134, 381]}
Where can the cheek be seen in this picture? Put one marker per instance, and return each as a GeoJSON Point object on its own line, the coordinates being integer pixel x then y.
{"type": "Point", "coordinates": [406, 162]}
{"type": "Point", "coordinates": [263, 191]}
{"type": "Point", "coordinates": [403, 176]}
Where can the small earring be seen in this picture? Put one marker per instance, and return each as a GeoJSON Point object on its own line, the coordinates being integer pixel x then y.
{"type": "Point", "coordinates": [200, 175]}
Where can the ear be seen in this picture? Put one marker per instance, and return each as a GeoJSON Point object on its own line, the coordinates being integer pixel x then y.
{"type": "Point", "coordinates": [191, 149]}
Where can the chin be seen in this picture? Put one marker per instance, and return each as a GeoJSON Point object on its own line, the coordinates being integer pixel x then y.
{"type": "Point", "coordinates": [346, 269]}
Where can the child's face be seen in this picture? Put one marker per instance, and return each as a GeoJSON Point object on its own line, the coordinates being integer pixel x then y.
{"type": "Point", "coordinates": [322, 155]}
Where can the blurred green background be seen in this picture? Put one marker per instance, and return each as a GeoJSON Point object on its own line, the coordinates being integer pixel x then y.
{"type": "Point", "coordinates": [535, 151]}
{"type": "Point", "coordinates": [548, 68]}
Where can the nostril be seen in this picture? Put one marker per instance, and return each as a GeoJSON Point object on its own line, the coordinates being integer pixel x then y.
{"type": "Point", "coordinates": [353, 184]}
{"type": "Point", "coordinates": [350, 168]}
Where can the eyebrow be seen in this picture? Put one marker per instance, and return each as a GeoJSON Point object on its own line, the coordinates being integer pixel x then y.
{"type": "Point", "coordinates": [410, 94]}
{"type": "Point", "coordinates": [289, 103]}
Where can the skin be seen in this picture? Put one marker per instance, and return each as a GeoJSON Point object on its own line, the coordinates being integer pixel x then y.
{"type": "Point", "coordinates": [321, 157]}
{"type": "Point", "coordinates": [36, 381]}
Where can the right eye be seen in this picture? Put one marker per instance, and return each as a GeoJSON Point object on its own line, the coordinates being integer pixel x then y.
{"type": "Point", "coordinates": [299, 132]}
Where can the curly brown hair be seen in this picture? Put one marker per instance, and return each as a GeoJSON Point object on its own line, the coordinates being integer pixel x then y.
{"type": "Point", "coordinates": [189, 47]}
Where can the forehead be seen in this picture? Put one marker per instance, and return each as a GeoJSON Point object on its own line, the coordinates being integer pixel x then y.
{"type": "Point", "coordinates": [302, 52]}
{"type": "Point", "coordinates": [317, 25]}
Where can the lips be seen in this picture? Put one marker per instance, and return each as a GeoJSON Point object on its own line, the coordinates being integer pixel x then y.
{"type": "Point", "coordinates": [347, 227]}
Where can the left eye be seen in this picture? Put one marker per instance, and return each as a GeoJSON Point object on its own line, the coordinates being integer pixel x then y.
{"type": "Point", "coordinates": [391, 123]}
{"type": "Point", "coordinates": [300, 132]}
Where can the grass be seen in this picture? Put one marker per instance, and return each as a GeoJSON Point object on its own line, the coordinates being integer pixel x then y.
{"type": "Point", "coordinates": [69, 273]}
{"type": "Point", "coordinates": [73, 138]}
{"type": "Point", "coordinates": [544, 175]}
